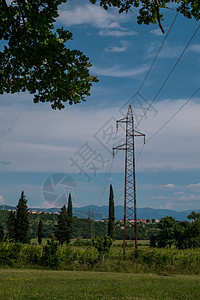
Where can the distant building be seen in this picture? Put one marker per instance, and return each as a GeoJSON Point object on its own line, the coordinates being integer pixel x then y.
{"type": "Point", "coordinates": [142, 221]}
{"type": "Point", "coordinates": [157, 221]}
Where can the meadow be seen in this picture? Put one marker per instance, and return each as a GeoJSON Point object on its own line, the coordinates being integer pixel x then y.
{"type": "Point", "coordinates": [44, 284]}
{"type": "Point", "coordinates": [75, 271]}
{"type": "Point", "coordinates": [81, 255]}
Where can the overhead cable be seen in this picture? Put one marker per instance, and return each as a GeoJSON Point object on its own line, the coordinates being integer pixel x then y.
{"type": "Point", "coordinates": [168, 76]}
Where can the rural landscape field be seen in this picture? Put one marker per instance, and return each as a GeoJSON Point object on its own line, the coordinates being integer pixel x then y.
{"type": "Point", "coordinates": [99, 149]}
{"type": "Point", "coordinates": [37, 284]}
{"type": "Point", "coordinates": [96, 268]}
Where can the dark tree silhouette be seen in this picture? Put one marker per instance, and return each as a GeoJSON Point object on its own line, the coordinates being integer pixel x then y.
{"type": "Point", "coordinates": [111, 214]}
{"type": "Point", "coordinates": [11, 225]}
{"type": "Point", "coordinates": [61, 229]}
{"type": "Point", "coordinates": [40, 232]}
{"type": "Point", "coordinates": [69, 219]}
{"type": "Point", "coordinates": [22, 222]}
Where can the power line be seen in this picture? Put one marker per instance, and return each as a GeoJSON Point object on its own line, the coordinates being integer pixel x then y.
{"type": "Point", "coordinates": [133, 98]}
{"type": "Point", "coordinates": [173, 115]}
{"type": "Point", "coordinates": [159, 50]}
{"type": "Point", "coordinates": [140, 153]}
{"type": "Point", "coordinates": [168, 121]}
{"type": "Point", "coordinates": [107, 174]}
{"type": "Point", "coordinates": [168, 76]}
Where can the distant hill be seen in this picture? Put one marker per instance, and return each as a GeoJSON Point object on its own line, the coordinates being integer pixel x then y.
{"type": "Point", "coordinates": [101, 212]}
{"type": "Point", "coordinates": [6, 207]}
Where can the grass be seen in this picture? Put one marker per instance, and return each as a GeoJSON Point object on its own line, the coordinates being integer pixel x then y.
{"type": "Point", "coordinates": [42, 284]}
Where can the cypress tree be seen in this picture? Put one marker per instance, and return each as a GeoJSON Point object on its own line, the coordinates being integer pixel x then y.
{"type": "Point", "coordinates": [40, 232]}
{"type": "Point", "coordinates": [61, 229]}
{"type": "Point", "coordinates": [22, 222]}
{"type": "Point", "coordinates": [1, 233]}
{"type": "Point", "coordinates": [11, 225]}
{"type": "Point", "coordinates": [111, 214]}
{"type": "Point", "coordinates": [69, 219]}
{"type": "Point", "coordinates": [89, 224]}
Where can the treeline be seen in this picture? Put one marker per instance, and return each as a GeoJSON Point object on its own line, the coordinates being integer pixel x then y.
{"type": "Point", "coordinates": [82, 228]}
{"type": "Point", "coordinates": [22, 226]}
{"type": "Point", "coordinates": [183, 235]}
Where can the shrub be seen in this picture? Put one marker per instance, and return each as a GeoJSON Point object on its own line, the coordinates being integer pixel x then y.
{"type": "Point", "coordinates": [51, 256]}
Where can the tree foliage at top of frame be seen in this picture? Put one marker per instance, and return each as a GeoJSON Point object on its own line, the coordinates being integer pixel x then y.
{"type": "Point", "coordinates": [35, 58]}
{"type": "Point", "coordinates": [149, 11]}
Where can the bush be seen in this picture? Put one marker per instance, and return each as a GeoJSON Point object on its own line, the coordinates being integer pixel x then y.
{"type": "Point", "coordinates": [81, 242]}
{"type": "Point", "coordinates": [9, 253]}
{"type": "Point", "coordinates": [51, 257]}
{"type": "Point", "coordinates": [103, 244]}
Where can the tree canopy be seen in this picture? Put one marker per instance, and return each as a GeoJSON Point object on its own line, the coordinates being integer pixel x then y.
{"type": "Point", "coordinates": [181, 234]}
{"type": "Point", "coordinates": [35, 57]}
{"type": "Point", "coordinates": [151, 11]}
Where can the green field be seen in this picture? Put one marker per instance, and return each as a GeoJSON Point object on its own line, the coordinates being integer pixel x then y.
{"type": "Point", "coordinates": [42, 284]}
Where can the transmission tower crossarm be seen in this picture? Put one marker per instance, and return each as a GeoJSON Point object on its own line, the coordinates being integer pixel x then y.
{"type": "Point", "coordinates": [138, 133]}
{"type": "Point", "coordinates": [120, 147]}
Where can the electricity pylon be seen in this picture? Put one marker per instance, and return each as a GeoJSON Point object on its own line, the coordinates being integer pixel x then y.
{"type": "Point", "coordinates": [130, 212]}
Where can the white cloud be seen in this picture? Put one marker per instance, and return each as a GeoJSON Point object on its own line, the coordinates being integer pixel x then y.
{"type": "Point", "coordinates": [179, 193]}
{"type": "Point", "coordinates": [118, 71]}
{"type": "Point", "coordinates": [195, 48]}
{"type": "Point", "coordinates": [191, 197]}
{"type": "Point", "coordinates": [1, 199]}
{"type": "Point", "coordinates": [108, 22]}
{"type": "Point", "coordinates": [167, 206]}
{"type": "Point", "coordinates": [195, 185]}
{"type": "Point", "coordinates": [122, 48]}
{"type": "Point", "coordinates": [169, 185]}
{"type": "Point", "coordinates": [177, 145]}
{"type": "Point", "coordinates": [117, 33]}
{"type": "Point", "coordinates": [157, 32]}
{"type": "Point", "coordinates": [43, 140]}
{"type": "Point", "coordinates": [168, 51]}
{"type": "Point", "coordinates": [89, 14]}
{"type": "Point", "coordinates": [159, 198]}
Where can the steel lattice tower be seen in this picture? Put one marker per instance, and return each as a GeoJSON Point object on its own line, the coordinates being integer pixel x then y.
{"type": "Point", "coordinates": [130, 211]}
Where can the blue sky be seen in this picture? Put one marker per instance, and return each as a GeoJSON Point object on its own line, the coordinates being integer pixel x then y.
{"type": "Point", "coordinates": [36, 142]}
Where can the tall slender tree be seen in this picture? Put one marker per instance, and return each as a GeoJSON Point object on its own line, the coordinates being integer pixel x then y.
{"type": "Point", "coordinates": [1, 233]}
{"type": "Point", "coordinates": [40, 232]}
{"type": "Point", "coordinates": [69, 219]}
{"type": "Point", "coordinates": [22, 221]}
{"type": "Point", "coordinates": [89, 224]}
{"type": "Point", "coordinates": [111, 214]}
{"type": "Point", "coordinates": [11, 225]}
{"type": "Point", "coordinates": [61, 229]}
